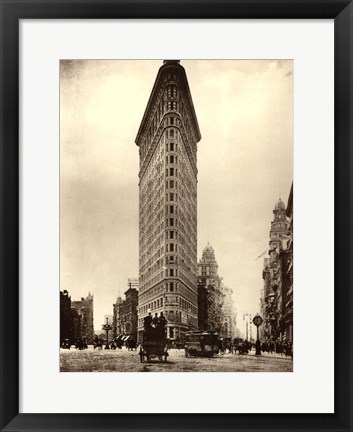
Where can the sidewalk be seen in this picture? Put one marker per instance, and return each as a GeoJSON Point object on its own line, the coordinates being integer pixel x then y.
{"type": "Point", "coordinates": [269, 355]}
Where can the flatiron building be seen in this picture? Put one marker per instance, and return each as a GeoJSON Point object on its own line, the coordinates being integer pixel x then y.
{"type": "Point", "coordinates": [167, 141]}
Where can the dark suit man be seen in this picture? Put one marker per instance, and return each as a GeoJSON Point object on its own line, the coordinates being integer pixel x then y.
{"type": "Point", "coordinates": [147, 322]}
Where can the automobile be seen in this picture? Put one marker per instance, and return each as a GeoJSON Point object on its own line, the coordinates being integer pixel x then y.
{"type": "Point", "coordinates": [201, 344]}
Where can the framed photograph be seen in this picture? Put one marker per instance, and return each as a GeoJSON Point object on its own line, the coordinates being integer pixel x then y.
{"type": "Point", "coordinates": [176, 188]}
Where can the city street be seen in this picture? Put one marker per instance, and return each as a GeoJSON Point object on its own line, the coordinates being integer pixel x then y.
{"type": "Point", "coordinates": [122, 360]}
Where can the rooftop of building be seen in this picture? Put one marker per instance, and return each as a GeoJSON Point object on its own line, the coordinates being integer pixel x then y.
{"type": "Point", "coordinates": [208, 254]}
{"type": "Point", "coordinates": [178, 68]}
{"type": "Point", "coordinates": [280, 205]}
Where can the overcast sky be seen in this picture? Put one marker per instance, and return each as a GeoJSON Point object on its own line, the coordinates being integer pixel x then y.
{"type": "Point", "coordinates": [245, 163]}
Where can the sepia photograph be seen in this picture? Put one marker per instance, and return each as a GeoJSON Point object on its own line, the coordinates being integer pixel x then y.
{"type": "Point", "coordinates": [176, 215]}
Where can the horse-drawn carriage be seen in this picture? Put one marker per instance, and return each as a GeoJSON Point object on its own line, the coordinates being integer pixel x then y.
{"type": "Point", "coordinates": [154, 345]}
{"type": "Point", "coordinates": [66, 344]}
{"type": "Point", "coordinates": [81, 344]}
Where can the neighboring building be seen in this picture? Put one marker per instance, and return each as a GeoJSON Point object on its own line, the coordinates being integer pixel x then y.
{"type": "Point", "coordinates": [128, 312]}
{"type": "Point", "coordinates": [65, 316]}
{"type": "Point", "coordinates": [116, 317]}
{"type": "Point", "coordinates": [75, 326]}
{"type": "Point", "coordinates": [167, 140]}
{"type": "Point", "coordinates": [76, 318]}
{"type": "Point", "coordinates": [202, 296]}
{"type": "Point", "coordinates": [133, 283]}
{"type": "Point", "coordinates": [84, 325]}
{"type": "Point", "coordinates": [288, 303]}
{"type": "Point", "coordinates": [267, 306]}
{"type": "Point", "coordinates": [276, 302]}
{"type": "Point", "coordinates": [229, 323]}
{"type": "Point", "coordinates": [125, 311]}
{"type": "Point", "coordinates": [211, 297]}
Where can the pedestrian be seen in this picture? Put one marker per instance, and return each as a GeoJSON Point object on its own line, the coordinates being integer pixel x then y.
{"type": "Point", "coordinates": [147, 322]}
{"type": "Point", "coordinates": [155, 320]}
{"type": "Point", "coordinates": [162, 323]}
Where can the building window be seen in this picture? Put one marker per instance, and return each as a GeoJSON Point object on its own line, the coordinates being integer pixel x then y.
{"type": "Point", "coordinates": [171, 287]}
{"type": "Point", "coordinates": [171, 222]}
{"type": "Point", "coordinates": [171, 272]}
{"type": "Point", "coordinates": [171, 197]}
{"type": "Point", "coordinates": [171, 234]}
{"type": "Point", "coordinates": [172, 133]}
{"type": "Point", "coordinates": [171, 171]}
{"type": "Point", "coordinates": [171, 147]}
{"type": "Point", "coordinates": [172, 120]}
{"type": "Point", "coordinates": [171, 247]}
{"type": "Point", "coordinates": [171, 209]}
{"type": "Point", "coordinates": [171, 159]}
{"type": "Point", "coordinates": [171, 184]}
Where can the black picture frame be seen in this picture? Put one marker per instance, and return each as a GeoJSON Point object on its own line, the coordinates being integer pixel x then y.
{"type": "Point", "coordinates": [14, 10]}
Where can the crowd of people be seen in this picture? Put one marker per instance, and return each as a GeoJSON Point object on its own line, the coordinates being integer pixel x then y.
{"type": "Point", "coordinates": [155, 325]}
{"type": "Point", "coordinates": [283, 348]}
{"type": "Point", "coordinates": [114, 344]}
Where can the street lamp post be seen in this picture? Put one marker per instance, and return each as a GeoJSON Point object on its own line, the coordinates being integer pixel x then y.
{"type": "Point", "coordinates": [107, 327]}
{"type": "Point", "coordinates": [247, 319]}
{"type": "Point", "coordinates": [257, 321]}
